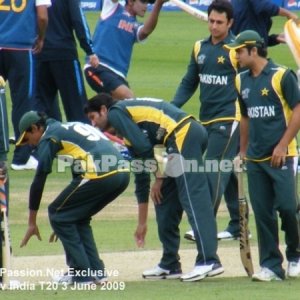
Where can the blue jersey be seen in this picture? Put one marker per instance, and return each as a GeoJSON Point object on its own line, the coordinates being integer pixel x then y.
{"type": "Point", "coordinates": [255, 15]}
{"type": "Point", "coordinates": [17, 24]}
{"type": "Point", "coordinates": [114, 38]}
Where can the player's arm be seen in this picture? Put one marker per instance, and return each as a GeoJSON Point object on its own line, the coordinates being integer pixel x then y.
{"type": "Point", "coordinates": [291, 94]}
{"type": "Point", "coordinates": [35, 196]}
{"type": "Point", "coordinates": [82, 31]}
{"type": "Point", "coordinates": [151, 22]}
{"type": "Point", "coordinates": [42, 23]}
{"type": "Point", "coordinates": [188, 84]}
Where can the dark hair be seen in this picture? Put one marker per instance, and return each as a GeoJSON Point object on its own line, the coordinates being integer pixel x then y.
{"type": "Point", "coordinates": [221, 6]}
{"type": "Point", "coordinates": [95, 103]}
{"type": "Point", "coordinates": [261, 50]}
{"type": "Point", "coordinates": [40, 123]}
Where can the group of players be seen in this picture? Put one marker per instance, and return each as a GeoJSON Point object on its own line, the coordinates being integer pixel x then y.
{"type": "Point", "coordinates": [266, 95]}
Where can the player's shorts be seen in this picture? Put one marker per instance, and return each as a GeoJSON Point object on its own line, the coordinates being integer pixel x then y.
{"type": "Point", "coordinates": [103, 80]}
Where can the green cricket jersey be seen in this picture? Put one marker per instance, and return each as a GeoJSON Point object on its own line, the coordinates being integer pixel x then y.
{"type": "Point", "coordinates": [80, 144]}
{"type": "Point", "coordinates": [144, 123]}
{"type": "Point", "coordinates": [213, 69]}
{"type": "Point", "coordinates": [268, 100]}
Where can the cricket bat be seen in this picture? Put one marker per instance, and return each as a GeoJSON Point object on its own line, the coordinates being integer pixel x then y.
{"type": "Point", "coordinates": [245, 250]}
{"type": "Point", "coordinates": [4, 228]}
{"type": "Point", "coordinates": [292, 37]}
{"type": "Point", "coordinates": [197, 13]}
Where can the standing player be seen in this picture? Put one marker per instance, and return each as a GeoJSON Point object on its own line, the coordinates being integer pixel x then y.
{"type": "Point", "coordinates": [257, 15]}
{"type": "Point", "coordinates": [115, 35]}
{"type": "Point", "coordinates": [22, 32]}
{"type": "Point", "coordinates": [92, 187]}
{"type": "Point", "coordinates": [58, 66]}
{"type": "Point", "coordinates": [145, 123]}
{"type": "Point", "coordinates": [213, 69]}
{"type": "Point", "coordinates": [270, 106]}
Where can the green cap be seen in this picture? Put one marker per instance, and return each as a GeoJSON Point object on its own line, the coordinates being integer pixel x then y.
{"type": "Point", "coordinates": [29, 118]}
{"type": "Point", "coordinates": [246, 38]}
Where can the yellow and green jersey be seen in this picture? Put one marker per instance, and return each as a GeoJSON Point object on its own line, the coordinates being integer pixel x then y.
{"type": "Point", "coordinates": [80, 146]}
{"type": "Point", "coordinates": [213, 69]}
{"type": "Point", "coordinates": [268, 101]}
{"type": "Point", "coordinates": [145, 122]}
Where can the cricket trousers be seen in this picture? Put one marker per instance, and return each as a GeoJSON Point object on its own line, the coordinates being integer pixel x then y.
{"type": "Point", "coordinates": [186, 190]}
{"type": "Point", "coordinates": [223, 144]}
{"type": "Point", "coordinates": [65, 77]}
{"type": "Point", "coordinates": [17, 66]}
{"type": "Point", "coordinates": [70, 215]}
{"type": "Point", "coordinates": [273, 190]}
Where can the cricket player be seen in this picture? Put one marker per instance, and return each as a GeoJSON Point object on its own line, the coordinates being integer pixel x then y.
{"type": "Point", "coordinates": [115, 34]}
{"type": "Point", "coordinates": [270, 106]}
{"type": "Point", "coordinates": [212, 69]}
{"type": "Point", "coordinates": [145, 123]}
{"type": "Point", "coordinates": [93, 187]}
{"type": "Point", "coordinates": [22, 31]}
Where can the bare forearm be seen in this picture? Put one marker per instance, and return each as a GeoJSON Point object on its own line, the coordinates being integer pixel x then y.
{"type": "Point", "coordinates": [142, 213]}
{"type": "Point", "coordinates": [244, 127]}
{"type": "Point", "coordinates": [152, 20]}
{"type": "Point", "coordinates": [42, 21]}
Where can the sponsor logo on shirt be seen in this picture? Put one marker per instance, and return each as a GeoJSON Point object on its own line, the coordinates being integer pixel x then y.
{"type": "Point", "coordinates": [261, 111]}
{"type": "Point", "coordinates": [213, 79]}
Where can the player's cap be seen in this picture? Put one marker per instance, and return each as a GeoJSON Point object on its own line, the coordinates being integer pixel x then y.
{"type": "Point", "coordinates": [246, 38]}
{"type": "Point", "coordinates": [29, 118]}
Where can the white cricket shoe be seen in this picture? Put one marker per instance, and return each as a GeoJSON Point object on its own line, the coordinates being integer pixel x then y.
{"type": "Point", "coordinates": [200, 272]}
{"type": "Point", "coordinates": [31, 164]}
{"type": "Point", "coordinates": [293, 269]}
{"type": "Point", "coordinates": [160, 273]}
{"type": "Point", "coordinates": [266, 275]}
{"type": "Point", "coordinates": [189, 235]}
{"type": "Point", "coordinates": [65, 279]}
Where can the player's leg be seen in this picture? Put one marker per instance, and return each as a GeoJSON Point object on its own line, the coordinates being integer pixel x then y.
{"type": "Point", "coordinates": [262, 197]}
{"type": "Point", "coordinates": [168, 217]}
{"type": "Point", "coordinates": [46, 99]}
{"type": "Point", "coordinates": [21, 77]}
{"type": "Point", "coordinates": [195, 198]}
{"type": "Point", "coordinates": [223, 141]}
{"type": "Point", "coordinates": [72, 90]}
{"type": "Point", "coordinates": [288, 207]}
{"type": "Point", "coordinates": [79, 202]}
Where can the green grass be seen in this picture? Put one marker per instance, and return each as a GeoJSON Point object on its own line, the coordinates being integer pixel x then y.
{"type": "Point", "coordinates": [156, 70]}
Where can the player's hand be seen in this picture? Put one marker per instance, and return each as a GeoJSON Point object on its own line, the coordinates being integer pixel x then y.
{"type": "Point", "coordinates": [38, 45]}
{"type": "Point", "coordinates": [278, 156]}
{"type": "Point", "coordinates": [281, 38]}
{"type": "Point", "coordinates": [53, 238]}
{"type": "Point", "coordinates": [94, 60]}
{"type": "Point", "coordinates": [140, 234]}
{"type": "Point", "coordinates": [31, 230]}
{"type": "Point", "coordinates": [155, 193]}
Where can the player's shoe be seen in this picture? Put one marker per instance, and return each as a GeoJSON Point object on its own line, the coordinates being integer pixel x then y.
{"type": "Point", "coordinates": [160, 273]}
{"type": "Point", "coordinates": [202, 271]}
{"type": "Point", "coordinates": [189, 235]}
{"type": "Point", "coordinates": [31, 164]}
{"type": "Point", "coordinates": [100, 280]}
{"type": "Point", "coordinates": [265, 275]}
{"type": "Point", "coordinates": [293, 269]}
{"type": "Point", "coordinates": [12, 140]}
{"type": "Point", "coordinates": [228, 236]}
{"type": "Point", "coordinates": [65, 279]}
